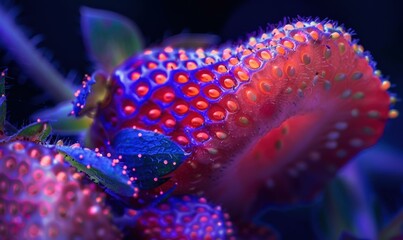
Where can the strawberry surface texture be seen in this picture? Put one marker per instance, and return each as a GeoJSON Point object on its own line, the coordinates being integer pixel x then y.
{"type": "Point", "coordinates": [267, 121]}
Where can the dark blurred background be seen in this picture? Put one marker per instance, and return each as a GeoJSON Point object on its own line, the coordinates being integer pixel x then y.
{"type": "Point", "coordinates": [378, 25]}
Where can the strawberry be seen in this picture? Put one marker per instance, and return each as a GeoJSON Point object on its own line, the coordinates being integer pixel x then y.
{"type": "Point", "coordinates": [267, 121]}
{"type": "Point", "coordinates": [179, 218]}
{"type": "Point", "coordinates": [43, 198]}
{"type": "Point", "coordinates": [188, 217]}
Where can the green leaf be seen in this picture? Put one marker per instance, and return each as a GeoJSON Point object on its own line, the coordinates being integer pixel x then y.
{"type": "Point", "coordinates": [109, 37]}
{"type": "Point", "coordinates": [99, 169]}
{"type": "Point", "coordinates": [62, 123]}
{"type": "Point", "coordinates": [36, 132]}
{"type": "Point", "coordinates": [153, 155]}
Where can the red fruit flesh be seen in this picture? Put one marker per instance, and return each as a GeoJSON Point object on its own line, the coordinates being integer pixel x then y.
{"type": "Point", "coordinates": [269, 121]}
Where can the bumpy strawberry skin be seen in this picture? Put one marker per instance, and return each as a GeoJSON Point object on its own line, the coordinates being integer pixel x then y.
{"type": "Point", "coordinates": [270, 120]}
{"type": "Point", "coordinates": [188, 217]}
{"type": "Point", "coordinates": [42, 198]}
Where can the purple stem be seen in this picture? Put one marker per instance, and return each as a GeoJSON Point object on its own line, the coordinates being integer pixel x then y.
{"type": "Point", "coordinates": [32, 62]}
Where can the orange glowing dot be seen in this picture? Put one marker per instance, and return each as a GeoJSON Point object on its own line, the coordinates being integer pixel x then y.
{"type": "Point", "coordinates": [280, 50]}
{"type": "Point", "coordinates": [142, 90]}
{"type": "Point", "coordinates": [385, 85]}
{"type": "Point", "coordinates": [228, 83]}
{"type": "Point", "coordinates": [134, 76]}
{"type": "Point", "coordinates": [393, 113]}
{"type": "Point", "coordinates": [181, 78]}
{"type": "Point", "coordinates": [162, 57]}
{"type": "Point", "coordinates": [191, 65]}
{"type": "Point", "coordinates": [246, 52]}
{"type": "Point", "coordinates": [242, 75]}
{"type": "Point", "coordinates": [221, 135]}
{"type": "Point", "coordinates": [129, 109]}
{"type": "Point", "coordinates": [170, 123]}
{"type": "Point", "coordinates": [226, 53]}
{"type": "Point", "coordinates": [168, 49]}
{"type": "Point", "coordinates": [314, 35]}
{"type": "Point", "coordinates": [183, 57]}
{"type": "Point", "coordinates": [154, 113]}
{"type": "Point", "coordinates": [200, 51]}
{"type": "Point", "coordinates": [202, 136]}
{"type": "Point", "coordinates": [213, 93]}
{"type": "Point", "coordinates": [239, 49]}
{"type": "Point", "coordinates": [233, 61]}
{"type": "Point", "coordinates": [335, 35]}
{"type": "Point", "coordinates": [264, 36]}
{"type": "Point", "coordinates": [232, 106]}
{"type": "Point", "coordinates": [197, 121]}
{"type": "Point", "coordinates": [168, 97]}
{"type": "Point", "coordinates": [160, 78]}
{"type": "Point", "coordinates": [171, 66]}
{"type": "Point", "coordinates": [288, 27]}
{"type": "Point", "coordinates": [265, 55]}
{"type": "Point", "coordinates": [182, 140]}
{"type": "Point", "coordinates": [299, 37]}
{"type": "Point", "coordinates": [218, 115]}
{"type": "Point", "coordinates": [299, 24]}
{"type": "Point", "coordinates": [278, 35]}
{"type": "Point", "coordinates": [347, 36]}
{"type": "Point", "coordinates": [209, 60]}
{"type": "Point", "coordinates": [191, 91]}
{"type": "Point", "coordinates": [201, 105]}
{"type": "Point", "coordinates": [148, 52]}
{"type": "Point", "coordinates": [319, 26]}
{"type": "Point", "coordinates": [253, 63]}
{"type": "Point", "coordinates": [205, 77]}
{"type": "Point", "coordinates": [45, 161]}
{"type": "Point", "coordinates": [329, 25]}
{"type": "Point", "coordinates": [288, 44]}
{"type": "Point", "coordinates": [181, 108]}
{"type": "Point", "coordinates": [221, 68]}
{"type": "Point", "coordinates": [259, 46]}
{"type": "Point", "coordinates": [151, 65]}
{"type": "Point", "coordinates": [252, 41]}
{"type": "Point", "coordinates": [275, 31]}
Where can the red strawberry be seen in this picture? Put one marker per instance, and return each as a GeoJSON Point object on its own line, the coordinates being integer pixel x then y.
{"type": "Point", "coordinates": [42, 198]}
{"type": "Point", "coordinates": [268, 121]}
{"type": "Point", "coordinates": [180, 218]}
{"type": "Point", "coordinates": [188, 217]}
